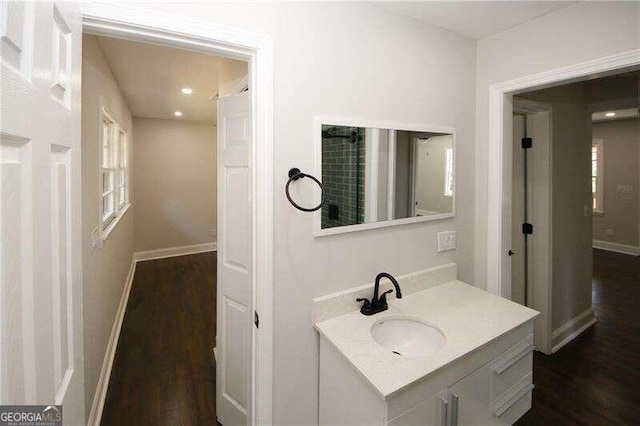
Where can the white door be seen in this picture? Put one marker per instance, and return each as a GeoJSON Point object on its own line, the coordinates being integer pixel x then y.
{"type": "Point", "coordinates": [518, 246]}
{"type": "Point", "coordinates": [537, 265]}
{"type": "Point", "coordinates": [40, 210]}
{"type": "Point", "coordinates": [234, 301]}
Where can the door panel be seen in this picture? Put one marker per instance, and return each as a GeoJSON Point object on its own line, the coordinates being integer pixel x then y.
{"type": "Point", "coordinates": [235, 312]}
{"type": "Point", "coordinates": [40, 210]}
{"type": "Point", "coordinates": [517, 259]}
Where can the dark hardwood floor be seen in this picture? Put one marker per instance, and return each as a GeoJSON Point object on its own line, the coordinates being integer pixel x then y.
{"type": "Point", "coordinates": [163, 372]}
{"type": "Point", "coordinates": [595, 380]}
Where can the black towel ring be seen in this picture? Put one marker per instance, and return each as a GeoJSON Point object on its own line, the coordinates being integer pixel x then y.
{"type": "Point", "coordinates": [295, 174]}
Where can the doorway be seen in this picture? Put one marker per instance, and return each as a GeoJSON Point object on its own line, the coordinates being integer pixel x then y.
{"type": "Point", "coordinates": [160, 191]}
{"type": "Point", "coordinates": [123, 22]}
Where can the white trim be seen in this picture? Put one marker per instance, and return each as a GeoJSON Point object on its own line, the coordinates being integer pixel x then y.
{"type": "Point", "coordinates": [572, 329]}
{"type": "Point", "coordinates": [118, 211]}
{"type": "Point", "coordinates": [356, 122]}
{"type": "Point", "coordinates": [100, 395]}
{"type": "Point", "coordinates": [140, 256]}
{"type": "Point", "coordinates": [145, 25]}
{"type": "Point", "coordinates": [599, 177]}
{"type": "Point", "coordinates": [114, 222]}
{"type": "Point", "coordinates": [616, 247]}
{"type": "Point", "coordinates": [498, 268]}
{"type": "Point", "coordinates": [391, 175]}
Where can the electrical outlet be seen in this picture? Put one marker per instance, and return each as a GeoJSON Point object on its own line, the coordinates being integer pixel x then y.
{"type": "Point", "coordinates": [625, 189]}
{"type": "Point", "coordinates": [446, 241]}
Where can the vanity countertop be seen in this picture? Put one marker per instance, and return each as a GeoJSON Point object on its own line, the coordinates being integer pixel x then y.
{"type": "Point", "coordinates": [467, 316]}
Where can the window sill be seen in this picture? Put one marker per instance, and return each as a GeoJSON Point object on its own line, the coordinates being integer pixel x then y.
{"type": "Point", "coordinates": [107, 231]}
{"type": "Point", "coordinates": [598, 213]}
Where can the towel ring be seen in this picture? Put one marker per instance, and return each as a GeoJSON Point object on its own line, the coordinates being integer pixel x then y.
{"type": "Point", "coordinates": [295, 174]}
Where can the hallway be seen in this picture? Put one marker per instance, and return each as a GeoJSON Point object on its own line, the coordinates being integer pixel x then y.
{"type": "Point", "coordinates": [163, 372]}
{"type": "Point", "coordinates": [594, 379]}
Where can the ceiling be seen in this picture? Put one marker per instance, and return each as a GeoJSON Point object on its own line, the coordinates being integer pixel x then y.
{"type": "Point", "coordinates": [620, 114]}
{"type": "Point", "coordinates": [475, 19]}
{"type": "Point", "coordinates": [151, 78]}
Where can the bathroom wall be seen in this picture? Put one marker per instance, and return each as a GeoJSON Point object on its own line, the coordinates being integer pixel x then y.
{"type": "Point", "coordinates": [352, 61]}
{"type": "Point", "coordinates": [621, 167]}
{"type": "Point", "coordinates": [174, 167]}
{"type": "Point", "coordinates": [578, 33]}
{"type": "Point", "coordinates": [403, 177]}
{"type": "Point", "coordinates": [431, 175]}
{"type": "Point", "coordinates": [104, 269]}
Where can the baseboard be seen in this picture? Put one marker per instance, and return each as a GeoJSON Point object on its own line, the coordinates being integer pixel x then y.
{"type": "Point", "coordinates": [174, 251]}
{"type": "Point", "coordinates": [105, 372]}
{"type": "Point", "coordinates": [616, 247]}
{"type": "Point", "coordinates": [572, 329]}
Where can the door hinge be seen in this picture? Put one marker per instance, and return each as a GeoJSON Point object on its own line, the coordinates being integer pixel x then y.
{"type": "Point", "coordinates": [527, 228]}
{"type": "Point", "coordinates": [256, 319]}
{"type": "Point", "coordinates": [527, 143]}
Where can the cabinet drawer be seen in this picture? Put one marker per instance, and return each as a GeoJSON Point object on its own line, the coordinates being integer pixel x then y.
{"type": "Point", "coordinates": [514, 403]}
{"type": "Point", "coordinates": [511, 367]}
{"type": "Point", "coordinates": [432, 412]}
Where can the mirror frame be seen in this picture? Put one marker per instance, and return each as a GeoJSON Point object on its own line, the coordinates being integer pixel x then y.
{"type": "Point", "coordinates": [318, 231]}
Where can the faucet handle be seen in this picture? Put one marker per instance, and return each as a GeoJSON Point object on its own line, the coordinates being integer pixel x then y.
{"type": "Point", "coordinates": [366, 303]}
{"type": "Point", "coordinates": [383, 297]}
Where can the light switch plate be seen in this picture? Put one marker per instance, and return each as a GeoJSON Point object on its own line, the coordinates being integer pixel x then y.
{"type": "Point", "coordinates": [446, 241]}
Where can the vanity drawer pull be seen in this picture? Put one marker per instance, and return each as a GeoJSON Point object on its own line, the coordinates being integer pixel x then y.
{"type": "Point", "coordinates": [524, 390]}
{"type": "Point", "coordinates": [511, 361]}
{"type": "Point", "coordinates": [454, 410]}
{"type": "Point", "coordinates": [444, 407]}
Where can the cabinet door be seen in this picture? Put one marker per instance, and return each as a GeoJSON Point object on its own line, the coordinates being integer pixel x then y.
{"type": "Point", "coordinates": [432, 412]}
{"type": "Point", "coordinates": [469, 399]}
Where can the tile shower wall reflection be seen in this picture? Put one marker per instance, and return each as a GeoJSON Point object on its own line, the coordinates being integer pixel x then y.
{"type": "Point", "coordinates": [343, 157]}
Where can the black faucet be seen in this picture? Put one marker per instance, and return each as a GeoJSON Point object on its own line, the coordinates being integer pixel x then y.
{"type": "Point", "coordinates": [379, 304]}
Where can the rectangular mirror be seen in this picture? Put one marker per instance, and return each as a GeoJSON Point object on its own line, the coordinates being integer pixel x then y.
{"type": "Point", "coordinates": [374, 176]}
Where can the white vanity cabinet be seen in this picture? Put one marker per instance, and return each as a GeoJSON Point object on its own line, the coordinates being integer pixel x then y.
{"type": "Point", "coordinates": [490, 386]}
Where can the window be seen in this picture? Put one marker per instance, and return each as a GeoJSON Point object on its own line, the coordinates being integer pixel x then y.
{"type": "Point", "coordinates": [448, 173]}
{"type": "Point", "coordinates": [597, 175]}
{"type": "Point", "coordinates": [114, 176]}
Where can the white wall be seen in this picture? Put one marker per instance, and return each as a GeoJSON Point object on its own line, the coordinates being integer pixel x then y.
{"type": "Point", "coordinates": [348, 60]}
{"type": "Point", "coordinates": [231, 75]}
{"type": "Point", "coordinates": [621, 167]}
{"type": "Point", "coordinates": [578, 33]}
{"type": "Point", "coordinates": [430, 175]}
{"type": "Point", "coordinates": [106, 268]}
{"type": "Point", "coordinates": [174, 167]}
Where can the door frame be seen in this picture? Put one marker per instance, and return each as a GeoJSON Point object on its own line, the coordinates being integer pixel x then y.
{"type": "Point", "coordinates": [143, 25]}
{"type": "Point", "coordinates": [498, 221]}
{"type": "Point", "coordinates": [541, 256]}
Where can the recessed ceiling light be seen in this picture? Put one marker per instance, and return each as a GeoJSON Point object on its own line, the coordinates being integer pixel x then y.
{"type": "Point", "coordinates": [186, 91]}
{"type": "Point", "coordinates": [610, 114]}
{"type": "Point", "coordinates": [178, 113]}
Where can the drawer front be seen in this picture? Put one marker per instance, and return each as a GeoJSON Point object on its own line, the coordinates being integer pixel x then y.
{"type": "Point", "coordinates": [432, 412]}
{"type": "Point", "coordinates": [514, 403]}
{"type": "Point", "coordinates": [511, 367]}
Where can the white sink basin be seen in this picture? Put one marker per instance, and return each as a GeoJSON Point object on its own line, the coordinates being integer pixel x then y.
{"type": "Point", "coordinates": [407, 336]}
